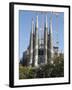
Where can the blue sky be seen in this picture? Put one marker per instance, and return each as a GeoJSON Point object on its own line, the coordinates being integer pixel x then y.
{"type": "Point", "coordinates": [25, 22]}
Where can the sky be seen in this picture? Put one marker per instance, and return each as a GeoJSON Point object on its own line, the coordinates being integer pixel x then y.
{"type": "Point", "coordinates": [25, 23]}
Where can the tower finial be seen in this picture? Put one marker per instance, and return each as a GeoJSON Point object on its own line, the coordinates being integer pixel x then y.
{"type": "Point", "coordinates": [32, 25]}
{"type": "Point", "coordinates": [51, 24]}
{"type": "Point", "coordinates": [37, 21]}
{"type": "Point", "coordinates": [46, 22]}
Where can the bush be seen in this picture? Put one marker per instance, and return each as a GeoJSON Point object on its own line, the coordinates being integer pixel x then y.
{"type": "Point", "coordinates": [44, 71]}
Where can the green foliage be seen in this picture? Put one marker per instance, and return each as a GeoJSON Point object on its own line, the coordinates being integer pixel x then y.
{"type": "Point", "coordinates": [26, 72]}
{"type": "Point", "coordinates": [44, 71]}
{"type": "Point", "coordinates": [58, 70]}
{"type": "Point", "coordinates": [23, 72]}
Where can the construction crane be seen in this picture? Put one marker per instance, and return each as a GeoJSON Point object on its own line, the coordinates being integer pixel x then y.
{"type": "Point", "coordinates": [56, 47]}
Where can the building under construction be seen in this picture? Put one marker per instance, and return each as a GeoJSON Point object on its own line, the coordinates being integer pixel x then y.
{"type": "Point", "coordinates": [40, 50]}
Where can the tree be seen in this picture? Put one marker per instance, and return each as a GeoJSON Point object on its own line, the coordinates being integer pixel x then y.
{"type": "Point", "coordinates": [58, 70]}
{"type": "Point", "coordinates": [44, 71]}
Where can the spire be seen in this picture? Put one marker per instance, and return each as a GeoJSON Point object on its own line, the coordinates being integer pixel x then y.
{"type": "Point", "coordinates": [32, 25]}
{"type": "Point", "coordinates": [51, 41]}
{"type": "Point", "coordinates": [36, 44]}
{"type": "Point", "coordinates": [37, 21]}
{"type": "Point", "coordinates": [31, 45]}
{"type": "Point", "coordinates": [45, 40]}
{"type": "Point", "coordinates": [50, 25]}
{"type": "Point", "coordinates": [46, 22]}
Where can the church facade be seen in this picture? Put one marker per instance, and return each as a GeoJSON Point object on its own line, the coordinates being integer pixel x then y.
{"type": "Point", "coordinates": [40, 50]}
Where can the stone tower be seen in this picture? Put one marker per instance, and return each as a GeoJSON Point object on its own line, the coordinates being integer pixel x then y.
{"type": "Point", "coordinates": [45, 53]}
{"type": "Point", "coordinates": [45, 40]}
{"type": "Point", "coordinates": [50, 42]}
{"type": "Point", "coordinates": [36, 44]}
{"type": "Point", "coordinates": [31, 44]}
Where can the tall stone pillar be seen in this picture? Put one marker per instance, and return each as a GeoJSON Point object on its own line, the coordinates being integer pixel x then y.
{"type": "Point", "coordinates": [36, 44]}
{"type": "Point", "coordinates": [50, 42]}
{"type": "Point", "coordinates": [31, 44]}
{"type": "Point", "coordinates": [45, 40]}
